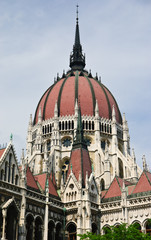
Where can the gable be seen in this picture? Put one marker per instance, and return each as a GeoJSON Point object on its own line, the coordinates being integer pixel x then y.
{"type": "Point", "coordinates": [41, 178]}
{"type": "Point", "coordinates": [143, 184]}
{"type": "Point", "coordinates": [71, 189]}
{"type": "Point", "coordinates": [9, 170]}
{"type": "Point", "coordinates": [114, 189]}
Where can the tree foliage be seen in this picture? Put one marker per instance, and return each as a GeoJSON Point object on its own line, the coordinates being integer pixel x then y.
{"type": "Point", "coordinates": [121, 232]}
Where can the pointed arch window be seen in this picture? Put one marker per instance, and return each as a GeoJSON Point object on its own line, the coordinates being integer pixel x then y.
{"type": "Point", "coordinates": [10, 164]}
{"type": "Point", "coordinates": [13, 173]}
{"type": "Point", "coordinates": [6, 166]}
{"type": "Point", "coordinates": [92, 125]}
{"type": "Point", "coordinates": [72, 124]}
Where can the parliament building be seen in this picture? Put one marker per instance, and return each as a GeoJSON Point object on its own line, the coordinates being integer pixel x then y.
{"type": "Point", "coordinates": [78, 173]}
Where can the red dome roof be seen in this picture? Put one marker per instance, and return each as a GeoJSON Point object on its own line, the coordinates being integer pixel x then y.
{"type": "Point", "coordinates": [82, 87]}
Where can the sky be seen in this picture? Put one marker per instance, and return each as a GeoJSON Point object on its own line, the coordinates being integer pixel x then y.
{"type": "Point", "coordinates": [36, 38]}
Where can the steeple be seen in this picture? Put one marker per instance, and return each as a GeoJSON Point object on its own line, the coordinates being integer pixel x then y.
{"type": "Point", "coordinates": [79, 139]}
{"type": "Point", "coordinates": [80, 159]}
{"type": "Point", "coordinates": [77, 59]}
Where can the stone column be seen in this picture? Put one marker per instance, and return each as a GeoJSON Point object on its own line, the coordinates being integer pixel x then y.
{"type": "Point", "coordinates": [4, 212]}
{"type": "Point", "coordinates": [46, 222]}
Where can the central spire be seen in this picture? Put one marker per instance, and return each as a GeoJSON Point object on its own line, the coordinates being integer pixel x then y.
{"type": "Point", "coordinates": [77, 59]}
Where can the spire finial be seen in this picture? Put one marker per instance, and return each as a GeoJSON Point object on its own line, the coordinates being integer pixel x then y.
{"type": "Point", "coordinates": [77, 59]}
{"type": "Point", "coordinates": [11, 137]}
{"type": "Point", "coordinates": [77, 13]}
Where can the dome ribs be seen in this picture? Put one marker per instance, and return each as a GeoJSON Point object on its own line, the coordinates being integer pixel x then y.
{"type": "Point", "coordinates": [36, 112]}
{"type": "Point", "coordinates": [83, 88]}
{"type": "Point", "coordinates": [118, 114]}
{"type": "Point", "coordinates": [76, 85]}
{"type": "Point", "coordinates": [60, 93]}
{"type": "Point", "coordinates": [85, 96]}
{"type": "Point", "coordinates": [43, 115]}
{"type": "Point", "coordinates": [51, 100]}
{"type": "Point", "coordinates": [93, 94]}
{"type": "Point", "coordinates": [108, 102]}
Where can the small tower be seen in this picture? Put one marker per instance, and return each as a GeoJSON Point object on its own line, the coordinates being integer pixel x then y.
{"type": "Point", "coordinates": [56, 145]}
{"type": "Point", "coordinates": [144, 163]}
{"type": "Point", "coordinates": [114, 141]}
{"type": "Point", "coordinates": [29, 138]}
{"type": "Point", "coordinates": [125, 135]}
{"type": "Point", "coordinates": [114, 131]}
{"type": "Point", "coordinates": [75, 116]}
{"type": "Point", "coordinates": [107, 173]}
{"type": "Point", "coordinates": [134, 167]}
{"type": "Point", "coordinates": [124, 202]}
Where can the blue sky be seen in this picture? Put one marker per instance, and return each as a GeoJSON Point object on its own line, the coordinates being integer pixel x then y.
{"type": "Point", "coordinates": [36, 38]}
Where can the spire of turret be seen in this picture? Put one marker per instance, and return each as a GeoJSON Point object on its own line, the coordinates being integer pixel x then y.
{"type": "Point", "coordinates": [56, 110]}
{"type": "Point", "coordinates": [80, 159]}
{"type": "Point", "coordinates": [76, 107]}
{"type": "Point", "coordinates": [96, 109]}
{"type": "Point", "coordinates": [113, 114]}
{"type": "Point", "coordinates": [79, 133]}
{"type": "Point", "coordinates": [39, 116]}
{"type": "Point", "coordinates": [144, 162]}
{"type": "Point", "coordinates": [77, 59]}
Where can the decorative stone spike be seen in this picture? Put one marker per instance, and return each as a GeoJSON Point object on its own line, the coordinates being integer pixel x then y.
{"type": "Point", "coordinates": [63, 75]}
{"type": "Point", "coordinates": [144, 162]}
{"type": "Point", "coordinates": [58, 78]}
{"type": "Point", "coordinates": [56, 110]}
{"type": "Point", "coordinates": [90, 75]}
{"type": "Point", "coordinates": [39, 116]}
{"type": "Point", "coordinates": [96, 109]}
{"type": "Point", "coordinates": [96, 77]}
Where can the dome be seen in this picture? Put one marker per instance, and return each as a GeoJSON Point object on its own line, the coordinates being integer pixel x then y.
{"type": "Point", "coordinates": [81, 86]}
{"type": "Point", "coordinates": [77, 84]}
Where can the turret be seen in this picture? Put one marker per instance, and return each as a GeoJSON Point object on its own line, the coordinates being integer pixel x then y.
{"type": "Point", "coordinates": [107, 174]}
{"type": "Point", "coordinates": [144, 163]}
{"type": "Point", "coordinates": [114, 130]}
{"type": "Point", "coordinates": [75, 116]}
{"type": "Point", "coordinates": [134, 167]}
{"type": "Point", "coordinates": [39, 117]}
{"type": "Point", "coordinates": [45, 161]}
{"type": "Point", "coordinates": [56, 110]}
{"type": "Point", "coordinates": [125, 135]}
{"type": "Point", "coordinates": [29, 137]}
{"type": "Point", "coordinates": [124, 202]}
